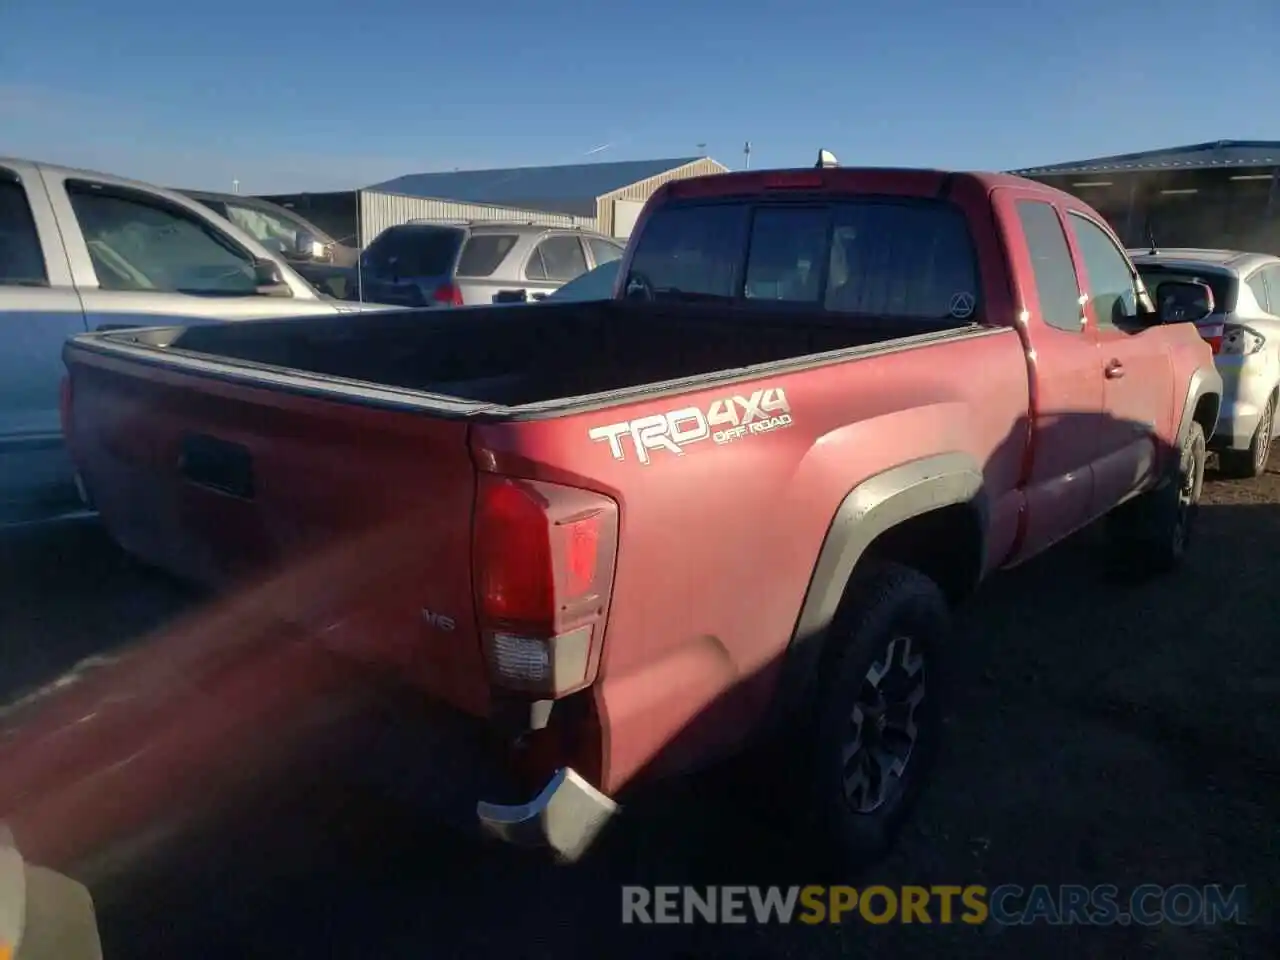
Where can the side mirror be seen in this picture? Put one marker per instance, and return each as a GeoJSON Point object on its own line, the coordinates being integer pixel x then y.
{"type": "Point", "coordinates": [510, 296]}
{"type": "Point", "coordinates": [268, 279]}
{"type": "Point", "coordinates": [1183, 301]}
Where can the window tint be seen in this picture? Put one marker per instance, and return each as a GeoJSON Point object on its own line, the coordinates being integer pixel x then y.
{"type": "Point", "coordinates": [138, 245]}
{"type": "Point", "coordinates": [690, 250]}
{"type": "Point", "coordinates": [272, 231]}
{"type": "Point", "coordinates": [21, 259]}
{"type": "Point", "coordinates": [908, 260]}
{"type": "Point", "coordinates": [561, 259]}
{"type": "Point", "coordinates": [604, 251]}
{"type": "Point", "coordinates": [1258, 287]}
{"type": "Point", "coordinates": [483, 253]}
{"type": "Point", "coordinates": [1056, 285]}
{"type": "Point", "coordinates": [787, 251]}
{"type": "Point", "coordinates": [413, 251]}
{"type": "Point", "coordinates": [1111, 287]}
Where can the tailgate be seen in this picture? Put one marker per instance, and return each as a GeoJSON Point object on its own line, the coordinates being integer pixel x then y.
{"type": "Point", "coordinates": [360, 517]}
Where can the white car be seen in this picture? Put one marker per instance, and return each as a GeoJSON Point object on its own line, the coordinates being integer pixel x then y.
{"type": "Point", "coordinates": [1244, 331]}
{"type": "Point", "coordinates": [84, 251]}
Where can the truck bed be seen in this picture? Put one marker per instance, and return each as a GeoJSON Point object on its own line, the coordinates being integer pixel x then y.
{"type": "Point", "coordinates": [517, 356]}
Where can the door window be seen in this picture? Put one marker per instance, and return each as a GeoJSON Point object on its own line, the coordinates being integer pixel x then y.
{"type": "Point", "coordinates": [139, 245]}
{"type": "Point", "coordinates": [1112, 290]}
{"type": "Point", "coordinates": [21, 259]}
{"type": "Point", "coordinates": [1055, 274]}
{"type": "Point", "coordinates": [557, 258]}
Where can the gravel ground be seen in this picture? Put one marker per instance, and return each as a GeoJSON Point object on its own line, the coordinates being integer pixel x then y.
{"type": "Point", "coordinates": [1100, 732]}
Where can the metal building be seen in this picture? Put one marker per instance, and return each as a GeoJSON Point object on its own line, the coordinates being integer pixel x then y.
{"type": "Point", "coordinates": [357, 216]}
{"type": "Point", "coordinates": [599, 196]}
{"type": "Point", "coordinates": [610, 194]}
{"type": "Point", "coordinates": [1223, 193]}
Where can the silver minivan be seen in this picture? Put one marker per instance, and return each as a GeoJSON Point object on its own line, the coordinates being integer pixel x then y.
{"type": "Point", "coordinates": [423, 264]}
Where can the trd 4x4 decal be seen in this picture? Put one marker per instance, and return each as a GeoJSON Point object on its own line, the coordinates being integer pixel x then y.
{"type": "Point", "coordinates": [724, 421]}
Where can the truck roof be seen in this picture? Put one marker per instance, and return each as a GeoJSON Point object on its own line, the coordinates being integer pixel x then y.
{"type": "Point", "coordinates": [921, 181]}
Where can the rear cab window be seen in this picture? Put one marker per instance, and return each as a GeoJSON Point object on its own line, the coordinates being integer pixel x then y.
{"type": "Point", "coordinates": [878, 257]}
{"type": "Point", "coordinates": [414, 250]}
{"type": "Point", "coordinates": [21, 257]}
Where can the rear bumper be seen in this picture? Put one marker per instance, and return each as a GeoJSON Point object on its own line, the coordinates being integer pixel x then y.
{"type": "Point", "coordinates": [565, 817]}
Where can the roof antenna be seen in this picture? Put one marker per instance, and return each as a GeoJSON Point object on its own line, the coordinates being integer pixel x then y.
{"type": "Point", "coordinates": [1151, 239]}
{"type": "Point", "coordinates": [826, 159]}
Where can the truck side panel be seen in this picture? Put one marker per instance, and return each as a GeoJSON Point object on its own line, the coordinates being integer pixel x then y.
{"type": "Point", "coordinates": [705, 619]}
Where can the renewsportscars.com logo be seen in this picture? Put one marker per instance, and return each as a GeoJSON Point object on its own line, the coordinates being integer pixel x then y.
{"type": "Point", "coordinates": [723, 421]}
{"type": "Point", "coordinates": [1005, 905]}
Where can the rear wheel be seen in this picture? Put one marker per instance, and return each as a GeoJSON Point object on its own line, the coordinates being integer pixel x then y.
{"type": "Point", "coordinates": [1253, 461]}
{"type": "Point", "coordinates": [880, 718]}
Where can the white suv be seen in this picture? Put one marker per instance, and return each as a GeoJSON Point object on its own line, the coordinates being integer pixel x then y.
{"type": "Point", "coordinates": [1244, 332]}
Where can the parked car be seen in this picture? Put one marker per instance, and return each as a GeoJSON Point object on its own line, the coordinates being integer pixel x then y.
{"type": "Point", "coordinates": [618, 540]}
{"type": "Point", "coordinates": [1244, 331]}
{"type": "Point", "coordinates": [82, 251]}
{"type": "Point", "coordinates": [326, 263]}
{"type": "Point", "coordinates": [422, 264]}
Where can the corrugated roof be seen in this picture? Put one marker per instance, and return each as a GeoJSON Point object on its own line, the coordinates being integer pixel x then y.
{"type": "Point", "coordinates": [523, 186]}
{"type": "Point", "coordinates": [1196, 156]}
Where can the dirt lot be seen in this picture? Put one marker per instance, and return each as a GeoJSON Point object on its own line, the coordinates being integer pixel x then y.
{"type": "Point", "coordinates": [1101, 733]}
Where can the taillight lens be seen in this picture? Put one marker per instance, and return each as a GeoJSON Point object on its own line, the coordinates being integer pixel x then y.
{"type": "Point", "coordinates": [1211, 333]}
{"type": "Point", "coordinates": [448, 295]}
{"type": "Point", "coordinates": [1238, 340]}
{"type": "Point", "coordinates": [544, 558]}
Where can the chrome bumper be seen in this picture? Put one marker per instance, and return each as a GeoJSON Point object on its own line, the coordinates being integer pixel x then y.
{"type": "Point", "coordinates": [566, 816]}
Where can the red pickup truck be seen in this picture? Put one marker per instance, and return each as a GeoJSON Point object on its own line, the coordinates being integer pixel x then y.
{"type": "Point", "coordinates": [620, 539]}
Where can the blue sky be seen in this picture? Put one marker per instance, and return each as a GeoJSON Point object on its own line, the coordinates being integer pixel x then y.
{"type": "Point", "coordinates": [327, 94]}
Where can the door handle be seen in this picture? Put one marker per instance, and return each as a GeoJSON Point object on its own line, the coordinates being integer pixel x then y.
{"type": "Point", "coordinates": [1114, 370]}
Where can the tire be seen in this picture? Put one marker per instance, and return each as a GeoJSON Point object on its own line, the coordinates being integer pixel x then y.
{"type": "Point", "coordinates": [1153, 532]}
{"type": "Point", "coordinates": [1246, 464]}
{"type": "Point", "coordinates": [895, 617]}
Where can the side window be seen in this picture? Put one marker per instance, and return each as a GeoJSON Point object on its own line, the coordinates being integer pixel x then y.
{"type": "Point", "coordinates": [21, 259]}
{"type": "Point", "coordinates": [561, 259]}
{"type": "Point", "coordinates": [275, 233]}
{"type": "Point", "coordinates": [1111, 284]}
{"type": "Point", "coordinates": [604, 251]}
{"type": "Point", "coordinates": [1056, 283]}
{"type": "Point", "coordinates": [786, 253]}
{"type": "Point", "coordinates": [143, 246]}
{"type": "Point", "coordinates": [1272, 304]}
{"type": "Point", "coordinates": [1258, 287]}
{"type": "Point", "coordinates": [483, 253]}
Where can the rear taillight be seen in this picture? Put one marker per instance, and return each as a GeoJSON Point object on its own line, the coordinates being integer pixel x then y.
{"type": "Point", "coordinates": [1238, 340]}
{"type": "Point", "coordinates": [447, 294]}
{"type": "Point", "coordinates": [1212, 335]}
{"type": "Point", "coordinates": [544, 558]}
